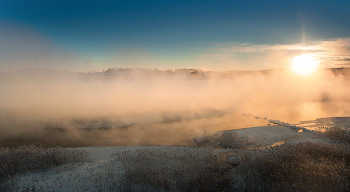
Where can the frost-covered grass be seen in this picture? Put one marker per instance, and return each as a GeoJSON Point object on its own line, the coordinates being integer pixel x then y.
{"type": "Point", "coordinates": [175, 169]}
{"type": "Point", "coordinates": [341, 135]}
{"type": "Point", "coordinates": [35, 158]}
{"type": "Point", "coordinates": [224, 140]}
{"type": "Point", "coordinates": [290, 167]}
{"type": "Point", "coordinates": [304, 166]}
{"type": "Point", "coordinates": [298, 167]}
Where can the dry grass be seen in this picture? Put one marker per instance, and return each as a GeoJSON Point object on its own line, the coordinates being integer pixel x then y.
{"type": "Point", "coordinates": [288, 167]}
{"type": "Point", "coordinates": [337, 134]}
{"type": "Point", "coordinates": [298, 167]}
{"type": "Point", "coordinates": [224, 140]}
{"type": "Point", "coordinates": [174, 169]}
{"type": "Point", "coordinates": [33, 158]}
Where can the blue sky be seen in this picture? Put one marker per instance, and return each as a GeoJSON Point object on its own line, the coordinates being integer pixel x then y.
{"type": "Point", "coordinates": [165, 34]}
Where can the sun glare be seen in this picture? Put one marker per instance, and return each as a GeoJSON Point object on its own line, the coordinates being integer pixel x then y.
{"type": "Point", "coordinates": [304, 64]}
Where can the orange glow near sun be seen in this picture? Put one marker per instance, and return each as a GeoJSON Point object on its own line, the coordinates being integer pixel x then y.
{"type": "Point", "coordinates": [304, 64]}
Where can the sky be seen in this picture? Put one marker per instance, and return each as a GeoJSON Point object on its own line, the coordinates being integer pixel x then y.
{"type": "Point", "coordinates": [215, 35]}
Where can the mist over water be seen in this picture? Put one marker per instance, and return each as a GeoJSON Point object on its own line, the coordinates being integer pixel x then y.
{"type": "Point", "coordinates": [160, 110]}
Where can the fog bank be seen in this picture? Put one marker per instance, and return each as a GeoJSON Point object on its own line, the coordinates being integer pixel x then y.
{"type": "Point", "coordinates": [131, 108]}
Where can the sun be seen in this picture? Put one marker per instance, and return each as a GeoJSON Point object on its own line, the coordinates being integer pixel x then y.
{"type": "Point", "coordinates": [304, 64]}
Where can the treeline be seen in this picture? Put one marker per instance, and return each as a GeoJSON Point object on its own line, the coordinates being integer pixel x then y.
{"type": "Point", "coordinates": [141, 73]}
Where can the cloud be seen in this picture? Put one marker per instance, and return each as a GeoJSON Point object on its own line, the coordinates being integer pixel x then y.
{"type": "Point", "coordinates": [21, 46]}
{"type": "Point", "coordinates": [242, 61]}
{"type": "Point", "coordinates": [329, 52]}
